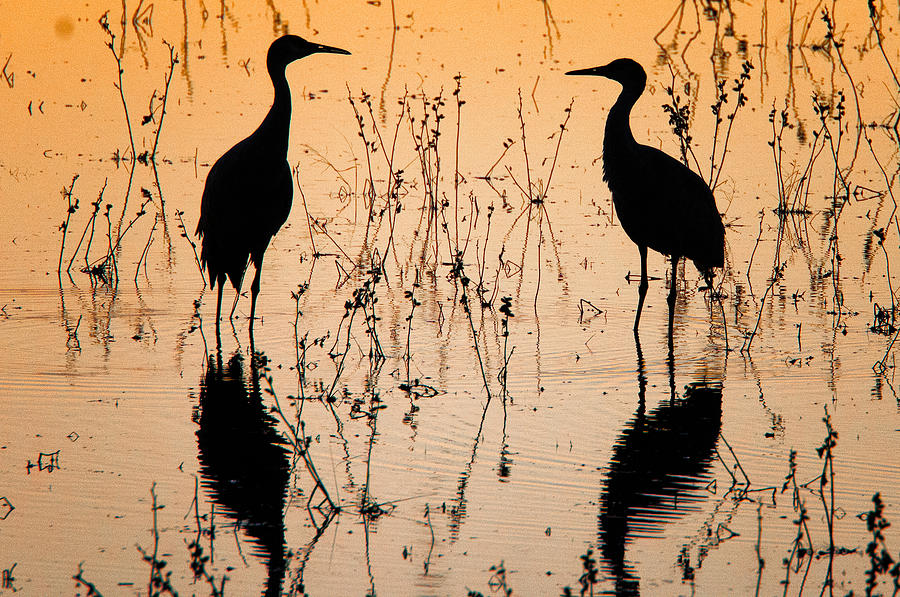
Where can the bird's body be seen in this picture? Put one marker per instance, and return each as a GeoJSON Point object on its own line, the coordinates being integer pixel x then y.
{"type": "Point", "coordinates": [235, 229]}
{"type": "Point", "coordinates": [249, 190]}
{"type": "Point", "coordinates": [660, 202]}
{"type": "Point", "coordinates": [667, 222]}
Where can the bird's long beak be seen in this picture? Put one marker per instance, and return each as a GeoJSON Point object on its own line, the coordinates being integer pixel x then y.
{"type": "Point", "coordinates": [320, 49]}
{"type": "Point", "coordinates": [597, 71]}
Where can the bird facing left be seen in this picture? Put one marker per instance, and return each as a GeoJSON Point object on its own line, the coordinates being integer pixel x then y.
{"type": "Point", "coordinates": [249, 190]}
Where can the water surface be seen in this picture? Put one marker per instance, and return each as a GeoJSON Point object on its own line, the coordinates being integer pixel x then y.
{"type": "Point", "coordinates": [385, 448]}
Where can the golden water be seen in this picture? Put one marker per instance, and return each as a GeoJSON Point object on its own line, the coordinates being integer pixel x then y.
{"type": "Point", "coordinates": [113, 382]}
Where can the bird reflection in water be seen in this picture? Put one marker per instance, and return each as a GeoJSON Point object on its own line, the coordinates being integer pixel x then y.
{"type": "Point", "coordinates": [243, 460]}
{"type": "Point", "coordinates": [659, 467]}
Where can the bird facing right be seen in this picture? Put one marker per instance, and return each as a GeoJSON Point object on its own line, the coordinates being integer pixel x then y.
{"type": "Point", "coordinates": [249, 190]}
{"type": "Point", "coordinates": [660, 202]}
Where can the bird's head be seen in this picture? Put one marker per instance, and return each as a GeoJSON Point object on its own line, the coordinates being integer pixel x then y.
{"type": "Point", "coordinates": [288, 48]}
{"type": "Point", "coordinates": [625, 71]}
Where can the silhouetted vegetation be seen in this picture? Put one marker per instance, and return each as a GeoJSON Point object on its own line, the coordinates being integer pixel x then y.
{"type": "Point", "coordinates": [412, 291]}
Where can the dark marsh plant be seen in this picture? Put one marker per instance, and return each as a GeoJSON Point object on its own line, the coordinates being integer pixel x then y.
{"type": "Point", "coordinates": [875, 17]}
{"type": "Point", "coordinates": [535, 194]}
{"type": "Point", "coordinates": [198, 559]}
{"type": "Point", "coordinates": [81, 581]}
{"type": "Point", "coordinates": [425, 132]}
{"type": "Point", "coordinates": [880, 560]}
{"type": "Point", "coordinates": [588, 579]}
{"type": "Point", "coordinates": [410, 295]}
{"type": "Point", "coordinates": [104, 24]}
{"type": "Point", "coordinates": [837, 45]}
{"type": "Point", "coordinates": [371, 147]}
{"type": "Point", "coordinates": [459, 277]}
{"type": "Point", "coordinates": [779, 122]}
{"type": "Point", "coordinates": [799, 552]}
{"type": "Point", "coordinates": [362, 303]}
{"type": "Point", "coordinates": [503, 375]}
{"type": "Point", "coordinates": [173, 60]}
{"type": "Point", "coordinates": [826, 479]}
{"type": "Point", "coordinates": [71, 208]}
{"type": "Point", "coordinates": [159, 583]}
{"type": "Point", "coordinates": [680, 121]}
{"type": "Point", "coordinates": [90, 224]}
{"type": "Point", "coordinates": [184, 233]}
{"type": "Point", "coordinates": [715, 170]}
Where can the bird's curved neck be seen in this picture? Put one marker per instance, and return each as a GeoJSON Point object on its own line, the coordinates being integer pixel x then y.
{"type": "Point", "coordinates": [277, 123]}
{"type": "Point", "coordinates": [618, 125]}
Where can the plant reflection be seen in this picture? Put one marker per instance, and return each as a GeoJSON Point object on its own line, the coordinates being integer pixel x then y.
{"type": "Point", "coordinates": [243, 459]}
{"type": "Point", "coordinates": [660, 462]}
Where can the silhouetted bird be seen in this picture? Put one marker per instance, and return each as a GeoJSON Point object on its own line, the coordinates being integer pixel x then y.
{"type": "Point", "coordinates": [661, 203]}
{"type": "Point", "coordinates": [249, 189]}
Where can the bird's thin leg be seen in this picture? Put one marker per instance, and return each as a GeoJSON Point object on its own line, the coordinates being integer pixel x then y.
{"type": "Point", "coordinates": [219, 308]}
{"type": "Point", "coordinates": [670, 361]}
{"type": "Point", "coordinates": [642, 287]}
{"type": "Point", "coordinates": [254, 290]}
{"type": "Point", "coordinates": [672, 289]}
{"type": "Point", "coordinates": [237, 293]}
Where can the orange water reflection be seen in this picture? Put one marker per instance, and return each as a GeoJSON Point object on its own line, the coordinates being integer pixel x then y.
{"type": "Point", "coordinates": [436, 481]}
